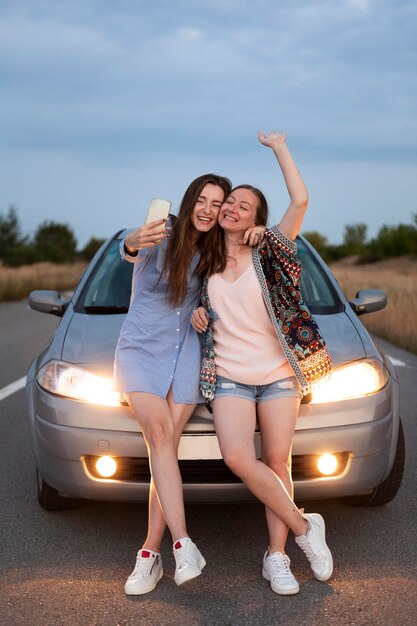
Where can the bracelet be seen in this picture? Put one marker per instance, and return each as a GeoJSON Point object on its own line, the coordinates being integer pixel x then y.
{"type": "Point", "coordinates": [135, 253]}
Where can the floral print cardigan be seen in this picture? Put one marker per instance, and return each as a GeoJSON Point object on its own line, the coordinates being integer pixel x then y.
{"type": "Point", "coordinates": [278, 271]}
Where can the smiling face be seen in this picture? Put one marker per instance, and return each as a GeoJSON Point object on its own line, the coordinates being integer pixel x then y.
{"type": "Point", "coordinates": [207, 207]}
{"type": "Point", "coordinates": [238, 212]}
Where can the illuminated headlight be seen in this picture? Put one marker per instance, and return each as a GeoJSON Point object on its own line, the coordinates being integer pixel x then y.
{"type": "Point", "coordinates": [72, 381]}
{"type": "Point", "coordinates": [327, 464]}
{"type": "Point", "coordinates": [106, 466]}
{"type": "Point", "coordinates": [351, 381]}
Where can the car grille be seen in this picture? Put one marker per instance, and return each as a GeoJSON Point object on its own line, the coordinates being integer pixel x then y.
{"type": "Point", "coordinates": [208, 471]}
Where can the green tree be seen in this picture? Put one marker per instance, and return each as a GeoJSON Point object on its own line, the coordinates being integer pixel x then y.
{"type": "Point", "coordinates": [91, 248]}
{"type": "Point", "coordinates": [14, 249]}
{"type": "Point", "coordinates": [317, 240]}
{"type": "Point", "coordinates": [54, 242]}
{"type": "Point", "coordinates": [354, 238]}
{"type": "Point", "coordinates": [392, 241]}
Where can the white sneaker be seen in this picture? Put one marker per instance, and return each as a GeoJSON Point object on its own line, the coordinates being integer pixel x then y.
{"type": "Point", "coordinates": [146, 575]}
{"type": "Point", "coordinates": [276, 569]}
{"type": "Point", "coordinates": [315, 548]}
{"type": "Point", "coordinates": [189, 561]}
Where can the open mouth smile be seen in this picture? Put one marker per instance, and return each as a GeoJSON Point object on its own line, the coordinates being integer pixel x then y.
{"type": "Point", "coordinates": [226, 216]}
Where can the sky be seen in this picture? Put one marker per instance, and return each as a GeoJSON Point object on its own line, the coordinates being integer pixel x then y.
{"type": "Point", "coordinates": [104, 105]}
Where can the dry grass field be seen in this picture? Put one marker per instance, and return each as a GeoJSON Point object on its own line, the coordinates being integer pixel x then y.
{"type": "Point", "coordinates": [17, 282]}
{"type": "Point", "coordinates": [398, 278]}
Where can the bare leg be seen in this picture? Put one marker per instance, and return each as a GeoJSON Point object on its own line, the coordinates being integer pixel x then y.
{"type": "Point", "coordinates": [235, 420]}
{"type": "Point", "coordinates": [155, 419]}
{"type": "Point", "coordinates": [180, 413]}
{"type": "Point", "coordinates": [277, 420]}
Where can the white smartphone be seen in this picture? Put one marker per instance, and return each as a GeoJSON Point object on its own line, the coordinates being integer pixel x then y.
{"type": "Point", "coordinates": [158, 210]}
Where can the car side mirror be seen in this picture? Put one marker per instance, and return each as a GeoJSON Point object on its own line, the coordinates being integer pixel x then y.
{"type": "Point", "coordinates": [47, 301]}
{"type": "Point", "coordinates": [368, 301]}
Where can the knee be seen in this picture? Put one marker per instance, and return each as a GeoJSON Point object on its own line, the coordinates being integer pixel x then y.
{"type": "Point", "coordinates": [279, 465]}
{"type": "Point", "coordinates": [159, 435]}
{"type": "Point", "coordinates": [235, 460]}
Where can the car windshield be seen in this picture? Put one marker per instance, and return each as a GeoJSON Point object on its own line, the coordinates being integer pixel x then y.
{"type": "Point", "coordinates": [317, 290]}
{"type": "Point", "coordinates": [108, 288]}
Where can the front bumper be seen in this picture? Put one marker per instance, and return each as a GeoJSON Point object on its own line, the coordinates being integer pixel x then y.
{"type": "Point", "coordinates": [366, 429]}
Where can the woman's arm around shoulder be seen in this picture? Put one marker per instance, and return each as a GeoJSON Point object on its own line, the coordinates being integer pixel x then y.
{"type": "Point", "coordinates": [292, 219]}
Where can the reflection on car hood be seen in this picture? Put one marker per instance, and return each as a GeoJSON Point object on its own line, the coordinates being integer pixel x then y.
{"type": "Point", "coordinates": [92, 339]}
{"type": "Point", "coordinates": [341, 337]}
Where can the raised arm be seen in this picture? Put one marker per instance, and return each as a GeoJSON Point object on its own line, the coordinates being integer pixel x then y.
{"type": "Point", "coordinates": [291, 221]}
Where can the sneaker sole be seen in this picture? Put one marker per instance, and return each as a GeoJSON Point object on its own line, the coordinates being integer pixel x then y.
{"type": "Point", "coordinates": [143, 590]}
{"type": "Point", "coordinates": [279, 590]}
{"type": "Point", "coordinates": [190, 573]}
{"type": "Point", "coordinates": [324, 577]}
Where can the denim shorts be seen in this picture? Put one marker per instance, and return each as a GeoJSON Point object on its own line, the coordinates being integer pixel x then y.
{"type": "Point", "coordinates": [284, 388]}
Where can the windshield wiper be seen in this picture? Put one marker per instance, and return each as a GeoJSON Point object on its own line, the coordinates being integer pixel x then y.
{"type": "Point", "coordinates": [106, 310]}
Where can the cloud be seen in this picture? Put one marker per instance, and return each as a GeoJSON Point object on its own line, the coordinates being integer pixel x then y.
{"type": "Point", "coordinates": [119, 75]}
{"type": "Point", "coordinates": [91, 89]}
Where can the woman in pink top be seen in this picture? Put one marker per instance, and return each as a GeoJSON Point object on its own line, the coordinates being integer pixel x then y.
{"type": "Point", "coordinates": [262, 351]}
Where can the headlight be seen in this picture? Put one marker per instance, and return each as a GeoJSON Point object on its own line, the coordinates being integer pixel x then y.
{"type": "Point", "coordinates": [351, 381]}
{"type": "Point", "coordinates": [72, 381]}
{"type": "Point", "coordinates": [106, 466]}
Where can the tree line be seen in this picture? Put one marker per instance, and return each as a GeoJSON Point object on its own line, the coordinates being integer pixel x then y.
{"type": "Point", "coordinates": [390, 241]}
{"type": "Point", "coordinates": [52, 241]}
{"type": "Point", "coordinates": [56, 243]}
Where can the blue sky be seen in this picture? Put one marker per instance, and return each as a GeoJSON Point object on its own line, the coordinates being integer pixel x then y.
{"type": "Point", "coordinates": [104, 105]}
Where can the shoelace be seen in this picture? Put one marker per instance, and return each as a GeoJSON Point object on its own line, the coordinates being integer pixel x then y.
{"type": "Point", "coordinates": [280, 565]}
{"type": "Point", "coordinates": [309, 552]}
{"type": "Point", "coordinates": [143, 566]}
{"type": "Point", "coordinates": [182, 554]}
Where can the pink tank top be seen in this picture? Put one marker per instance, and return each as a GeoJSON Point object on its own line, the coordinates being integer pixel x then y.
{"type": "Point", "coordinates": [247, 349]}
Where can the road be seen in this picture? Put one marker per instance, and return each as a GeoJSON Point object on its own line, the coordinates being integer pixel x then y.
{"type": "Point", "coordinates": [68, 568]}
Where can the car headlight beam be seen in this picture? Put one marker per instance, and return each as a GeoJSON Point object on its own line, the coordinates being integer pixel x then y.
{"type": "Point", "coordinates": [327, 464]}
{"type": "Point", "coordinates": [356, 380]}
{"type": "Point", "coordinates": [106, 466]}
{"type": "Point", "coordinates": [72, 381]}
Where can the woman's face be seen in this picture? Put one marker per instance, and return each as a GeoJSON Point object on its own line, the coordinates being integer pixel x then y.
{"type": "Point", "coordinates": [238, 212]}
{"type": "Point", "coordinates": [207, 207]}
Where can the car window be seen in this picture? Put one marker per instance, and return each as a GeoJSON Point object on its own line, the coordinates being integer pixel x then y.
{"type": "Point", "coordinates": [108, 288]}
{"type": "Point", "coordinates": [316, 288]}
{"type": "Point", "coordinates": [109, 285]}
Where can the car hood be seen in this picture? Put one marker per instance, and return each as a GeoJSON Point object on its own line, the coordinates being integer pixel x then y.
{"type": "Point", "coordinates": [91, 339]}
{"type": "Point", "coordinates": [343, 337]}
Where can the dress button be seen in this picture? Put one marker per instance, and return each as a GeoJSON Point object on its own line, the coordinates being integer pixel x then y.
{"type": "Point", "coordinates": [178, 312]}
{"type": "Point", "coordinates": [178, 330]}
{"type": "Point", "coordinates": [177, 347]}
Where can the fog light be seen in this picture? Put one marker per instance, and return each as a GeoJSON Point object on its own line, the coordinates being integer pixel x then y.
{"type": "Point", "coordinates": [106, 466]}
{"type": "Point", "coordinates": [327, 464]}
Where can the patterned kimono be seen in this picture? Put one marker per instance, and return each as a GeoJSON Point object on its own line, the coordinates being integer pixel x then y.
{"type": "Point", "coordinates": [278, 271]}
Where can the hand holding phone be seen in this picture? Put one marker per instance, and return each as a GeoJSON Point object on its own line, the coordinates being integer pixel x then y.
{"type": "Point", "coordinates": [158, 210]}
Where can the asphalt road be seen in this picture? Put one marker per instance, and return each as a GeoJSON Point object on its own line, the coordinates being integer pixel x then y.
{"type": "Point", "coordinates": [69, 568]}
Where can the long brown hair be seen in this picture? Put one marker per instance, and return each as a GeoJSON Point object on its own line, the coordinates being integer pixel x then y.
{"type": "Point", "coordinates": [179, 249]}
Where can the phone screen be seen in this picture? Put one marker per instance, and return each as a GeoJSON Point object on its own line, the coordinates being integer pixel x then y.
{"type": "Point", "coordinates": [158, 209]}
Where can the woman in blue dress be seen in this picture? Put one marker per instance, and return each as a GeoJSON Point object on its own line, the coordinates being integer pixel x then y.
{"type": "Point", "coordinates": [157, 361]}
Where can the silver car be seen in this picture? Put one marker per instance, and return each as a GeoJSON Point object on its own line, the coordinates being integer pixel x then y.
{"type": "Point", "coordinates": [349, 440]}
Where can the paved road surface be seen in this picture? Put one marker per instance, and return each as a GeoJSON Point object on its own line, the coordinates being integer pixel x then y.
{"type": "Point", "coordinates": [68, 568]}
